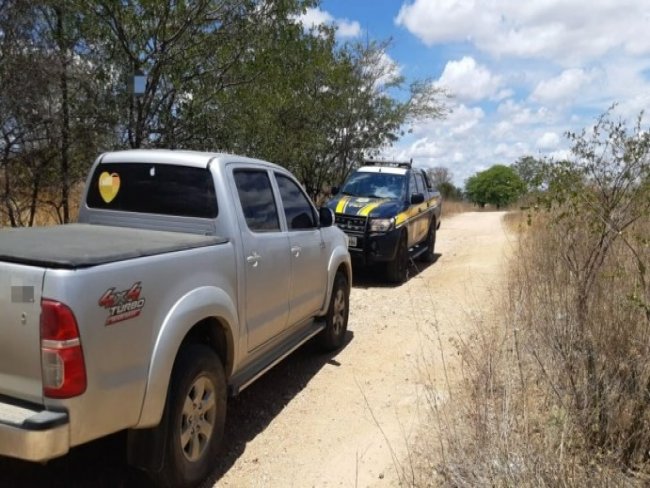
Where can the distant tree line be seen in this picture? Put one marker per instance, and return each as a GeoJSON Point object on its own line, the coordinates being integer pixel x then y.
{"type": "Point", "coordinates": [240, 76]}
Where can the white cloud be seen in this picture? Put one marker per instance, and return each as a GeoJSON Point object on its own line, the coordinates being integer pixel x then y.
{"type": "Point", "coordinates": [549, 140]}
{"type": "Point", "coordinates": [315, 17]}
{"type": "Point", "coordinates": [501, 149]}
{"type": "Point", "coordinates": [468, 80]}
{"type": "Point", "coordinates": [546, 67]}
{"type": "Point", "coordinates": [559, 155]}
{"type": "Point", "coordinates": [347, 28]}
{"type": "Point", "coordinates": [471, 139]}
{"type": "Point", "coordinates": [561, 88]}
{"type": "Point", "coordinates": [569, 30]}
{"type": "Point", "coordinates": [502, 129]}
{"type": "Point", "coordinates": [426, 149]}
{"type": "Point", "coordinates": [388, 68]}
{"type": "Point", "coordinates": [625, 81]}
{"type": "Point", "coordinates": [521, 114]}
{"type": "Point", "coordinates": [461, 119]}
{"type": "Point", "coordinates": [442, 21]}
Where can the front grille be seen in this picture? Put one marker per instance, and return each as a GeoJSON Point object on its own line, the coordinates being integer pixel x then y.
{"type": "Point", "coordinates": [351, 223]}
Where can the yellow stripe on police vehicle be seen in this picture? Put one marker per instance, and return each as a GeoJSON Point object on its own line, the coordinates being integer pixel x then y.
{"type": "Point", "coordinates": [365, 211]}
{"type": "Point", "coordinates": [340, 207]}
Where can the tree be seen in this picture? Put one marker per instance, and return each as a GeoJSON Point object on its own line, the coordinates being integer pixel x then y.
{"type": "Point", "coordinates": [439, 175]}
{"type": "Point", "coordinates": [531, 171]}
{"type": "Point", "coordinates": [499, 185]}
{"type": "Point", "coordinates": [239, 76]}
{"type": "Point", "coordinates": [441, 178]}
{"type": "Point", "coordinates": [449, 191]}
{"type": "Point", "coordinates": [52, 116]}
{"type": "Point", "coordinates": [319, 109]}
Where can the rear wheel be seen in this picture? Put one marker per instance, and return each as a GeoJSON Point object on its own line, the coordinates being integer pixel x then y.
{"type": "Point", "coordinates": [336, 320]}
{"type": "Point", "coordinates": [194, 418]}
{"type": "Point", "coordinates": [397, 269]}
{"type": "Point", "coordinates": [428, 256]}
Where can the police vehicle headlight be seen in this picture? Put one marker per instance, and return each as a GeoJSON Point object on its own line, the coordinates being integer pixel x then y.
{"type": "Point", "coordinates": [381, 225]}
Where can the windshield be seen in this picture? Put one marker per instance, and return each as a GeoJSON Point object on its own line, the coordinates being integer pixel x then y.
{"type": "Point", "coordinates": [375, 185]}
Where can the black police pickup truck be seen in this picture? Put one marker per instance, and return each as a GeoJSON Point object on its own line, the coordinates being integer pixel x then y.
{"type": "Point", "coordinates": [390, 213]}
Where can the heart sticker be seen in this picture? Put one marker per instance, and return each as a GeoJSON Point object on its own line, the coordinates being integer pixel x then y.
{"type": "Point", "coordinates": [109, 185]}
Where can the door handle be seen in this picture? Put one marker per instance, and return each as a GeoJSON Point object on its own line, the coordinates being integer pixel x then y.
{"type": "Point", "coordinates": [296, 250]}
{"type": "Point", "coordinates": [253, 259]}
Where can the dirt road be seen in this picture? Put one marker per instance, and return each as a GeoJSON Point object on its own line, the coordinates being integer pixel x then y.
{"type": "Point", "coordinates": [353, 415]}
{"type": "Point", "coordinates": [345, 419]}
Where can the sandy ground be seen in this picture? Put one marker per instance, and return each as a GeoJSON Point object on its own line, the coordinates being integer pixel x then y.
{"type": "Point", "coordinates": [349, 419]}
{"type": "Point", "coordinates": [346, 419]}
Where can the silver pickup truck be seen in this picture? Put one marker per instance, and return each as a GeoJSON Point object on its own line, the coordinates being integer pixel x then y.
{"type": "Point", "coordinates": [187, 277]}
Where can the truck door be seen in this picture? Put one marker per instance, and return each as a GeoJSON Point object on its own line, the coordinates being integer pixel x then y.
{"type": "Point", "coordinates": [413, 227]}
{"type": "Point", "coordinates": [424, 215]}
{"type": "Point", "coordinates": [308, 253]}
{"type": "Point", "coordinates": [267, 257]}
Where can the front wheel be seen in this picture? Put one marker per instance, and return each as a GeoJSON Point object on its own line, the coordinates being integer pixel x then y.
{"type": "Point", "coordinates": [194, 418]}
{"type": "Point", "coordinates": [397, 269]}
{"type": "Point", "coordinates": [336, 320]}
{"type": "Point", "coordinates": [428, 256]}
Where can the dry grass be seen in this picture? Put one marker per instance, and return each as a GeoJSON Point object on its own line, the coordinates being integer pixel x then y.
{"type": "Point", "coordinates": [548, 399]}
{"type": "Point", "coordinates": [453, 207]}
{"type": "Point", "coordinates": [46, 213]}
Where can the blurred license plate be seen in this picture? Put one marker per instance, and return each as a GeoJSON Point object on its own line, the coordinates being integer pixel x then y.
{"type": "Point", "coordinates": [352, 241]}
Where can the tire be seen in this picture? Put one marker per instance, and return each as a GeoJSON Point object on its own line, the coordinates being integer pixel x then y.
{"type": "Point", "coordinates": [194, 418]}
{"type": "Point", "coordinates": [428, 256]}
{"type": "Point", "coordinates": [332, 336]}
{"type": "Point", "coordinates": [397, 269]}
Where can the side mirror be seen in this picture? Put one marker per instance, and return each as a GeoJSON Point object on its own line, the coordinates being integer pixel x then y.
{"type": "Point", "coordinates": [326, 217]}
{"type": "Point", "coordinates": [417, 198]}
{"type": "Point", "coordinates": [335, 190]}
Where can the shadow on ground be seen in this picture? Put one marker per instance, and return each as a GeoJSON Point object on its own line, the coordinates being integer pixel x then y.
{"type": "Point", "coordinates": [375, 276]}
{"type": "Point", "coordinates": [102, 464]}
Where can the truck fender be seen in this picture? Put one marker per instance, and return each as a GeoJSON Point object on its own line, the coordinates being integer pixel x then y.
{"type": "Point", "coordinates": [189, 310]}
{"type": "Point", "coordinates": [340, 256]}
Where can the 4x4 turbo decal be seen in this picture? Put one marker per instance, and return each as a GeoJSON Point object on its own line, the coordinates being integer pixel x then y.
{"type": "Point", "coordinates": [122, 305]}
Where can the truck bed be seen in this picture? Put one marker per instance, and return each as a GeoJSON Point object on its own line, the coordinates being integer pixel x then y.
{"type": "Point", "coordinates": [75, 246]}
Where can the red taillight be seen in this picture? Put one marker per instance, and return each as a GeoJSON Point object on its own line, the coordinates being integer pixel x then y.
{"type": "Point", "coordinates": [62, 360]}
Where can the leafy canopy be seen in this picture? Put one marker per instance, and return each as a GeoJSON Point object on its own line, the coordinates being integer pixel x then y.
{"type": "Point", "coordinates": [499, 185]}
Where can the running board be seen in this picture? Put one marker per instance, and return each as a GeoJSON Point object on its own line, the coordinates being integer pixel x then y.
{"type": "Point", "coordinates": [256, 369]}
{"type": "Point", "coordinates": [414, 252]}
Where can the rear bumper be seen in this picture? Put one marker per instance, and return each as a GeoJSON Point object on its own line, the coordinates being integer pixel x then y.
{"type": "Point", "coordinates": [33, 435]}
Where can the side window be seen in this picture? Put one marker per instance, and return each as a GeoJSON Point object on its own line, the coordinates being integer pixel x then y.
{"type": "Point", "coordinates": [427, 182]}
{"type": "Point", "coordinates": [297, 209]}
{"type": "Point", "coordinates": [420, 183]}
{"type": "Point", "coordinates": [256, 197]}
{"type": "Point", "coordinates": [412, 184]}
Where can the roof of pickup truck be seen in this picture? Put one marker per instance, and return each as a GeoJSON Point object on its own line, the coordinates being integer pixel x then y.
{"type": "Point", "coordinates": [82, 245]}
{"type": "Point", "coordinates": [168, 156]}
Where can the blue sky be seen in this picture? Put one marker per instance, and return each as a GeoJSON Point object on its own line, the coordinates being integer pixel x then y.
{"type": "Point", "coordinates": [521, 73]}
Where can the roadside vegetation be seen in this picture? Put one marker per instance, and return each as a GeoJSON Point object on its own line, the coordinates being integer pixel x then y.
{"type": "Point", "coordinates": [241, 76]}
{"type": "Point", "coordinates": [499, 186]}
{"type": "Point", "coordinates": [557, 382]}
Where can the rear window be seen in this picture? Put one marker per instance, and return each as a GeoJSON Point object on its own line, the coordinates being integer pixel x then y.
{"type": "Point", "coordinates": [153, 188]}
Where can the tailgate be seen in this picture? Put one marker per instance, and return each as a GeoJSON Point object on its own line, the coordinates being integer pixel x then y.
{"type": "Point", "coordinates": [20, 351]}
